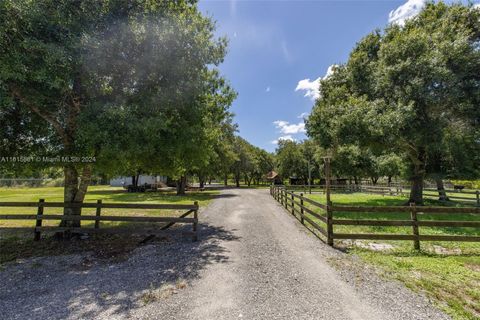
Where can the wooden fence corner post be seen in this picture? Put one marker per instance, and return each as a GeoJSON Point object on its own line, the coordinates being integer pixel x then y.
{"type": "Point", "coordinates": [39, 220]}
{"type": "Point", "coordinates": [413, 214]}
{"type": "Point", "coordinates": [195, 221]}
{"type": "Point", "coordinates": [98, 213]}
{"type": "Point", "coordinates": [301, 208]}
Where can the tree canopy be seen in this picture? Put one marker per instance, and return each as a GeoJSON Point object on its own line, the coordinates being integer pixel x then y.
{"type": "Point", "coordinates": [413, 90]}
{"type": "Point", "coordinates": [123, 85]}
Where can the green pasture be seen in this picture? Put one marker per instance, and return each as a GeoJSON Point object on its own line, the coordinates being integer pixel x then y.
{"type": "Point", "coordinates": [448, 272]}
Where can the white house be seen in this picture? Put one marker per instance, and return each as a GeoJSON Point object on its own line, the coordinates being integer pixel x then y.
{"type": "Point", "coordinates": [142, 179]}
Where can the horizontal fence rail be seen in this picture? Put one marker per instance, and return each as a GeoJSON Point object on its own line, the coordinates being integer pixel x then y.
{"type": "Point", "coordinates": [39, 217]}
{"type": "Point", "coordinates": [471, 197]}
{"type": "Point", "coordinates": [296, 204]}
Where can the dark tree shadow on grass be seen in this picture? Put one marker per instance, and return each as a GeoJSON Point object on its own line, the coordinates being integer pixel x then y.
{"type": "Point", "coordinates": [87, 285]}
{"type": "Point", "coordinates": [170, 196]}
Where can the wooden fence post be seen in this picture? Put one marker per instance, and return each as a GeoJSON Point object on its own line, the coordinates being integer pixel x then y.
{"type": "Point", "coordinates": [301, 208]}
{"type": "Point", "coordinates": [329, 203]}
{"type": "Point", "coordinates": [286, 198]}
{"type": "Point", "coordinates": [478, 198]}
{"type": "Point", "coordinates": [195, 222]}
{"type": "Point", "coordinates": [38, 234]}
{"type": "Point", "coordinates": [99, 211]}
{"type": "Point", "coordinates": [329, 225]}
{"type": "Point", "coordinates": [413, 214]}
{"type": "Point", "coordinates": [293, 204]}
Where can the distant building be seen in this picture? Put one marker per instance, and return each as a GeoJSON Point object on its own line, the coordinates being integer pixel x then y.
{"type": "Point", "coordinates": [142, 179]}
{"type": "Point", "coordinates": [273, 177]}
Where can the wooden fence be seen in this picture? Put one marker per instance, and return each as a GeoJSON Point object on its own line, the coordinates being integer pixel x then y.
{"type": "Point", "coordinates": [471, 197]}
{"type": "Point", "coordinates": [39, 217]}
{"type": "Point", "coordinates": [296, 204]}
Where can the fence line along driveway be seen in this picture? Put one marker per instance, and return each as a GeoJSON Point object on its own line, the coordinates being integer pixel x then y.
{"type": "Point", "coordinates": [253, 261]}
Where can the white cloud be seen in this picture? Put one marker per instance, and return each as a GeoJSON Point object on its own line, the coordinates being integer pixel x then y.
{"type": "Point", "coordinates": [406, 11]}
{"type": "Point", "coordinates": [330, 71]}
{"type": "Point", "coordinates": [267, 90]}
{"type": "Point", "coordinates": [287, 128]}
{"type": "Point", "coordinates": [286, 137]}
{"type": "Point", "coordinates": [303, 115]}
{"type": "Point", "coordinates": [312, 88]}
{"type": "Point", "coordinates": [477, 6]}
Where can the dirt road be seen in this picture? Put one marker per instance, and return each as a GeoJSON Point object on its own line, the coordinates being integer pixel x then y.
{"type": "Point", "coordinates": [254, 261]}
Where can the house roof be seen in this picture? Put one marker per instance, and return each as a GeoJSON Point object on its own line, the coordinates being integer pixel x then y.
{"type": "Point", "coordinates": [272, 175]}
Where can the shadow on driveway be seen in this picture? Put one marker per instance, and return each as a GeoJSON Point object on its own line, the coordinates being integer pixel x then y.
{"type": "Point", "coordinates": [83, 286]}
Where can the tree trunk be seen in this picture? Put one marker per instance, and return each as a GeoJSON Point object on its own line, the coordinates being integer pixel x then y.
{"type": "Point", "coordinates": [202, 183]}
{"type": "Point", "coordinates": [355, 178]}
{"type": "Point", "coordinates": [74, 192]}
{"type": "Point", "coordinates": [249, 180]}
{"type": "Point", "coordinates": [69, 192]}
{"type": "Point", "coordinates": [416, 192]}
{"type": "Point", "coordinates": [225, 180]}
{"type": "Point", "coordinates": [442, 195]}
{"type": "Point", "coordinates": [374, 180]}
{"type": "Point", "coordinates": [181, 185]}
{"type": "Point", "coordinates": [85, 180]}
{"type": "Point", "coordinates": [133, 180]}
{"type": "Point", "coordinates": [237, 180]}
{"type": "Point", "coordinates": [389, 180]}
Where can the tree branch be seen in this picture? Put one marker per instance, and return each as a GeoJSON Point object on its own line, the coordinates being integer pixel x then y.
{"type": "Point", "coordinates": [44, 115]}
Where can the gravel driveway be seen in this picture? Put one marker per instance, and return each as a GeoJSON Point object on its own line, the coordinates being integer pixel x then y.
{"type": "Point", "coordinates": [253, 261]}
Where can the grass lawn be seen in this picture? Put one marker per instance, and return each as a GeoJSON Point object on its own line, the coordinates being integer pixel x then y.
{"type": "Point", "coordinates": [449, 272]}
{"type": "Point", "coordinates": [15, 245]}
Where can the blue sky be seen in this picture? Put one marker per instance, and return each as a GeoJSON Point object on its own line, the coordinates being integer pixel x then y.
{"type": "Point", "coordinates": [273, 45]}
